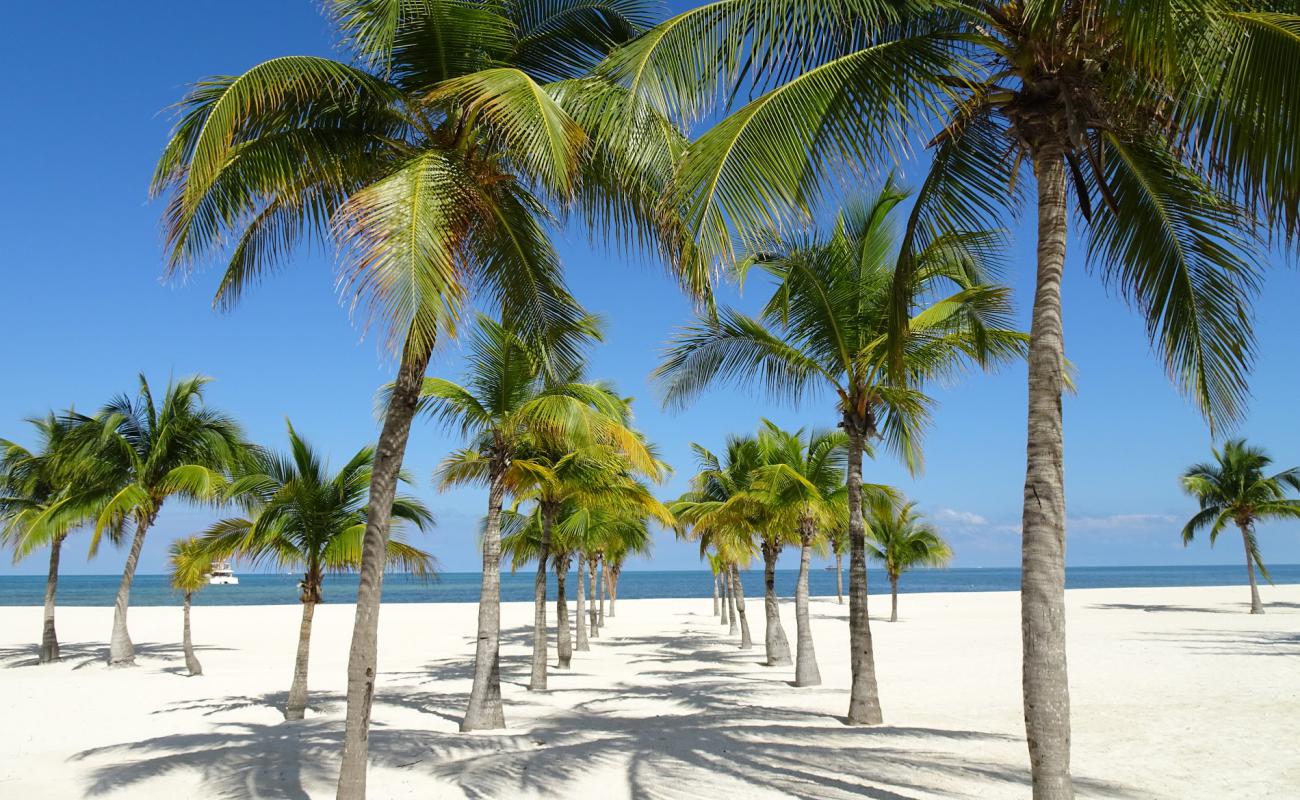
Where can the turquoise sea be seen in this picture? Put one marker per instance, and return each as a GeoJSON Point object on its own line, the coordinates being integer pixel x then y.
{"type": "Point", "coordinates": [463, 587]}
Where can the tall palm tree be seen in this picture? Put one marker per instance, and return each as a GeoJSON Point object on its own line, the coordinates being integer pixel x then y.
{"type": "Point", "coordinates": [900, 539]}
{"type": "Point", "coordinates": [1171, 121]}
{"type": "Point", "coordinates": [435, 159]}
{"type": "Point", "coordinates": [179, 448]}
{"type": "Point", "coordinates": [1235, 490]}
{"type": "Point", "coordinates": [507, 398]}
{"type": "Point", "coordinates": [627, 533]}
{"type": "Point", "coordinates": [827, 328]}
{"type": "Point", "coordinates": [45, 494]}
{"type": "Point", "coordinates": [803, 475]}
{"type": "Point", "coordinates": [191, 564]}
{"type": "Point", "coordinates": [299, 516]}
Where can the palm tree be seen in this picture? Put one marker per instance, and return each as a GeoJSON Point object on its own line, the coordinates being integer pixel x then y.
{"type": "Point", "coordinates": [302, 517]}
{"type": "Point", "coordinates": [1170, 120]}
{"type": "Point", "coordinates": [191, 564]}
{"type": "Point", "coordinates": [45, 494]}
{"type": "Point", "coordinates": [831, 314]}
{"type": "Point", "coordinates": [898, 538]}
{"type": "Point", "coordinates": [179, 448]}
{"type": "Point", "coordinates": [506, 398]}
{"type": "Point", "coordinates": [628, 533]}
{"type": "Point", "coordinates": [436, 159]}
{"type": "Point", "coordinates": [803, 475]}
{"type": "Point", "coordinates": [1235, 490]}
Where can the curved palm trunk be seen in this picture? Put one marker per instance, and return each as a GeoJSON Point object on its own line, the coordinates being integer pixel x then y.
{"type": "Point", "coordinates": [563, 644]}
{"type": "Point", "coordinates": [1042, 589]}
{"type": "Point", "coordinates": [187, 644]}
{"type": "Point", "coordinates": [716, 611]}
{"type": "Point", "coordinates": [893, 598]}
{"type": "Point", "coordinates": [778, 648]}
{"type": "Point", "coordinates": [732, 620]}
{"type": "Point", "coordinates": [1256, 607]}
{"type": "Point", "coordinates": [50, 639]}
{"type": "Point", "coordinates": [594, 582]}
{"type": "Point", "coordinates": [839, 578]}
{"type": "Point", "coordinates": [485, 711]}
{"type": "Point", "coordinates": [363, 657]}
{"type": "Point", "coordinates": [121, 652]}
{"type": "Point", "coordinates": [805, 668]}
{"type": "Point", "coordinates": [296, 708]}
{"type": "Point", "coordinates": [745, 641]}
{"type": "Point", "coordinates": [537, 680]}
{"type": "Point", "coordinates": [864, 696]}
{"type": "Point", "coordinates": [578, 612]}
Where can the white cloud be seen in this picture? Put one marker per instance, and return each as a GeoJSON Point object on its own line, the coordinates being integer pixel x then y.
{"type": "Point", "coordinates": [953, 516]}
{"type": "Point", "coordinates": [1119, 522]}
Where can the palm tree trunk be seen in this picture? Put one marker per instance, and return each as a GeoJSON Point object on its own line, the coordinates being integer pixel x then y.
{"type": "Point", "coordinates": [839, 578]}
{"type": "Point", "coordinates": [563, 644]}
{"type": "Point", "coordinates": [537, 680]}
{"type": "Point", "coordinates": [716, 611]}
{"type": "Point", "coordinates": [778, 648]}
{"type": "Point", "coordinates": [1042, 588]}
{"type": "Point", "coordinates": [745, 641]}
{"type": "Point", "coordinates": [121, 652]}
{"type": "Point", "coordinates": [805, 668]}
{"type": "Point", "coordinates": [1256, 607]}
{"type": "Point", "coordinates": [578, 618]}
{"type": "Point", "coordinates": [485, 711]}
{"type": "Point", "coordinates": [363, 656]}
{"type": "Point", "coordinates": [893, 598]}
{"type": "Point", "coordinates": [614, 573]}
{"type": "Point", "coordinates": [49, 639]}
{"type": "Point", "coordinates": [604, 591]}
{"type": "Point", "coordinates": [594, 582]}
{"type": "Point", "coordinates": [296, 708]}
{"type": "Point", "coordinates": [187, 644]}
{"type": "Point", "coordinates": [732, 621]}
{"type": "Point", "coordinates": [864, 696]}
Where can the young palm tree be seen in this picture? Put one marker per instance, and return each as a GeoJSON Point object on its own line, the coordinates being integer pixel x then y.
{"type": "Point", "coordinates": [803, 476]}
{"type": "Point", "coordinates": [506, 398]}
{"type": "Point", "coordinates": [1234, 490]}
{"type": "Point", "coordinates": [191, 564]}
{"type": "Point", "coordinates": [302, 517]}
{"type": "Point", "coordinates": [898, 538]}
{"type": "Point", "coordinates": [179, 448]}
{"type": "Point", "coordinates": [45, 494]}
{"type": "Point", "coordinates": [830, 330]}
{"type": "Point", "coordinates": [435, 159]}
{"type": "Point", "coordinates": [1171, 121]}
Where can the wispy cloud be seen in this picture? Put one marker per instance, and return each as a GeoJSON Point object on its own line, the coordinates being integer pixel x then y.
{"type": "Point", "coordinates": [955, 517]}
{"type": "Point", "coordinates": [1112, 522]}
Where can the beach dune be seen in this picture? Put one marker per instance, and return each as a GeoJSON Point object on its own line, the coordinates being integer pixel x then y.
{"type": "Point", "coordinates": [1177, 693]}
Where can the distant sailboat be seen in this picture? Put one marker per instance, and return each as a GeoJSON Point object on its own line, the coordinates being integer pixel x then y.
{"type": "Point", "coordinates": [222, 575]}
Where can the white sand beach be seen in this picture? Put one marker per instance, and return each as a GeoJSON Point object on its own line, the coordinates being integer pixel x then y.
{"type": "Point", "coordinates": [1177, 694]}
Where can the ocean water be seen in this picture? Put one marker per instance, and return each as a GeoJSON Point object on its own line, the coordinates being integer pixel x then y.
{"type": "Point", "coordinates": [463, 587]}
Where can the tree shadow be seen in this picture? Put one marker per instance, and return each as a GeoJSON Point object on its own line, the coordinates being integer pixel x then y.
{"type": "Point", "coordinates": [1161, 608]}
{"type": "Point", "coordinates": [86, 654]}
{"type": "Point", "coordinates": [1235, 643]}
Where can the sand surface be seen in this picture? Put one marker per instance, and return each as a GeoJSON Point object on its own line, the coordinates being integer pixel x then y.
{"type": "Point", "coordinates": [1177, 694]}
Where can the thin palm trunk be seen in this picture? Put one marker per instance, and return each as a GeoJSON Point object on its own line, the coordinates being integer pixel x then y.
{"type": "Point", "coordinates": [563, 644]}
{"type": "Point", "coordinates": [485, 711]}
{"type": "Point", "coordinates": [604, 591]}
{"type": "Point", "coordinates": [864, 696]}
{"type": "Point", "coordinates": [893, 598]}
{"type": "Point", "coordinates": [363, 657]}
{"type": "Point", "coordinates": [578, 617]}
{"type": "Point", "coordinates": [537, 680]}
{"type": "Point", "coordinates": [745, 641]}
{"type": "Point", "coordinates": [121, 652]}
{"type": "Point", "coordinates": [296, 708]}
{"type": "Point", "coordinates": [805, 668]}
{"type": "Point", "coordinates": [839, 578]}
{"type": "Point", "coordinates": [614, 573]}
{"type": "Point", "coordinates": [594, 582]}
{"type": "Point", "coordinates": [716, 610]}
{"type": "Point", "coordinates": [732, 619]}
{"type": "Point", "coordinates": [187, 644]}
{"type": "Point", "coordinates": [50, 639]}
{"type": "Point", "coordinates": [1042, 592]}
{"type": "Point", "coordinates": [778, 648]}
{"type": "Point", "coordinates": [1256, 607]}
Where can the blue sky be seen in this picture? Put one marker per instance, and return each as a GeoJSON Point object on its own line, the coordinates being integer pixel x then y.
{"type": "Point", "coordinates": [86, 310]}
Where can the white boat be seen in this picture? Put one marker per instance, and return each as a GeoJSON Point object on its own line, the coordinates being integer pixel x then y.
{"type": "Point", "coordinates": [222, 575]}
